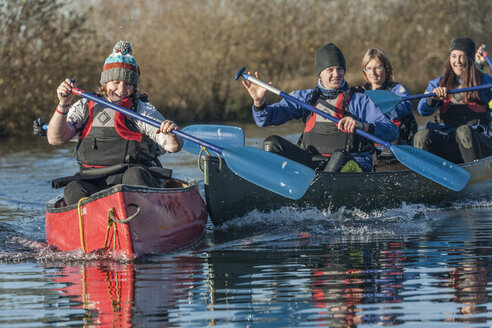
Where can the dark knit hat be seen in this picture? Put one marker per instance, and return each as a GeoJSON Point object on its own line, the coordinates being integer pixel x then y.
{"type": "Point", "coordinates": [464, 44]}
{"type": "Point", "coordinates": [121, 65]}
{"type": "Point", "coordinates": [328, 55]}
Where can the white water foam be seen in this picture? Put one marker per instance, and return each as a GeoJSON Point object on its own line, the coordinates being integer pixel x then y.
{"type": "Point", "coordinates": [43, 252]}
{"type": "Point", "coordinates": [348, 224]}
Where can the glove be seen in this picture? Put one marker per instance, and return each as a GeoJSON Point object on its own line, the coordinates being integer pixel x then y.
{"type": "Point", "coordinates": [39, 127]}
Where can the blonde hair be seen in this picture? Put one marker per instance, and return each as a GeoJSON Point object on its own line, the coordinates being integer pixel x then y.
{"type": "Point", "coordinates": [379, 54]}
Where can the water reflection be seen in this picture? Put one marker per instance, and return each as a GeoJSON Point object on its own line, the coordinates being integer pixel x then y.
{"type": "Point", "coordinates": [296, 267]}
{"type": "Point", "coordinates": [375, 278]}
{"type": "Point", "coordinates": [320, 286]}
{"type": "Point", "coordinates": [469, 281]}
{"type": "Point", "coordinates": [283, 280]}
{"type": "Point", "coordinates": [106, 292]}
{"type": "Point", "coordinates": [127, 294]}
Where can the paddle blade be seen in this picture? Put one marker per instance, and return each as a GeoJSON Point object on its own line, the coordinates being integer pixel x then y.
{"type": "Point", "coordinates": [432, 167]}
{"type": "Point", "coordinates": [224, 136]}
{"type": "Point", "coordinates": [385, 100]}
{"type": "Point", "coordinates": [270, 171]}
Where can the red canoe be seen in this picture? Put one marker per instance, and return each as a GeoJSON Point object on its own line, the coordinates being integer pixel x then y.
{"type": "Point", "coordinates": [132, 220]}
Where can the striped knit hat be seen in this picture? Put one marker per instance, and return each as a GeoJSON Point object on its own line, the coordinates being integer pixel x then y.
{"type": "Point", "coordinates": [121, 65]}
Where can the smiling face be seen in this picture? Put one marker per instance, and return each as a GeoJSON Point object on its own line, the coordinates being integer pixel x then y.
{"type": "Point", "coordinates": [332, 77]}
{"type": "Point", "coordinates": [457, 60]}
{"type": "Point", "coordinates": [117, 90]}
{"type": "Point", "coordinates": [375, 73]}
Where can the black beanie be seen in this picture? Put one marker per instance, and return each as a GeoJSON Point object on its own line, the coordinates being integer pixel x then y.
{"type": "Point", "coordinates": [328, 55]}
{"type": "Point", "coordinates": [464, 44]}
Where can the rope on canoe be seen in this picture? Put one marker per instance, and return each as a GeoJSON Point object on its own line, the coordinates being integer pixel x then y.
{"type": "Point", "coordinates": [208, 153]}
{"type": "Point", "coordinates": [81, 228]}
{"type": "Point", "coordinates": [112, 220]}
{"type": "Point", "coordinates": [128, 219]}
{"type": "Point", "coordinates": [111, 223]}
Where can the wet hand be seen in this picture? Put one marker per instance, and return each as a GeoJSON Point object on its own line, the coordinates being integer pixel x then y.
{"type": "Point", "coordinates": [256, 92]}
{"type": "Point", "coordinates": [347, 124]}
{"type": "Point", "coordinates": [441, 93]}
{"type": "Point", "coordinates": [64, 91]}
{"type": "Point", "coordinates": [167, 126]}
{"type": "Point", "coordinates": [479, 57]}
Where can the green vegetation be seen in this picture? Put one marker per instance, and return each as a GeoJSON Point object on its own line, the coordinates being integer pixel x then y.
{"type": "Point", "coordinates": [188, 50]}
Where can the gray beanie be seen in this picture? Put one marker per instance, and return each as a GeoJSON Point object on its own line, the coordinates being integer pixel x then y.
{"type": "Point", "coordinates": [121, 65]}
{"type": "Point", "coordinates": [328, 55]}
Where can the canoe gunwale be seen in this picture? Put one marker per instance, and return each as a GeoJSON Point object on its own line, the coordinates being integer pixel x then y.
{"type": "Point", "coordinates": [51, 205]}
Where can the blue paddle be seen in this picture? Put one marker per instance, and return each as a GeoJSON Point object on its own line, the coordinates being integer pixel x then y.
{"type": "Point", "coordinates": [270, 171]}
{"type": "Point", "coordinates": [225, 136]}
{"type": "Point", "coordinates": [387, 100]}
{"type": "Point", "coordinates": [486, 55]}
{"type": "Point", "coordinates": [429, 165]}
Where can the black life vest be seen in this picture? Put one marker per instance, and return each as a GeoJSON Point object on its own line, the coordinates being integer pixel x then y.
{"type": "Point", "coordinates": [321, 136]}
{"type": "Point", "coordinates": [471, 113]}
{"type": "Point", "coordinates": [109, 138]}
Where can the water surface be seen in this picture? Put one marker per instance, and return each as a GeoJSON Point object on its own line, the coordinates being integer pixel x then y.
{"type": "Point", "coordinates": [411, 265]}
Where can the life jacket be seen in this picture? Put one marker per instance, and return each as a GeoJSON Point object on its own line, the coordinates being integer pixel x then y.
{"type": "Point", "coordinates": [386, 86]}
{"type": "Point", "coordinates": [471, 113]}
{"type": "Point", "coordinates": [407, 125]}
{"type": "Point", "coordinates": [321, 136]}
{"type": "Point", "coordinates": [109, 138]}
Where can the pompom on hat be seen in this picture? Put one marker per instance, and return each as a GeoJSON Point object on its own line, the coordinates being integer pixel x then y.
{"type": "Point", "coordinates": [121, 65]}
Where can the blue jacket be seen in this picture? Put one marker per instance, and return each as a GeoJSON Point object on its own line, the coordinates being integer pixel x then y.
{"type": "Point", "coordinates": [425, 110]}
{"type": "Point", "coordinates": [360, 106]}
{"type": "Point", "coordinates": [404, 108]}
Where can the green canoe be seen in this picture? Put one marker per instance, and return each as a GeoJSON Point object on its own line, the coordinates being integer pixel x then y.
{"type": "Point", "coordinates": [229, 196]}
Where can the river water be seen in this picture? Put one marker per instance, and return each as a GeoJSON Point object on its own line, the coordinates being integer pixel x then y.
{"type": "Point", "coordinates": [411, 266]}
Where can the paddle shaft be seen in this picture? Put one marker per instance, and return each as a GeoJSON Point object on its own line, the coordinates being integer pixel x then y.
{"type": "Point", "coordinates": [489, 61]}
{"type": "Point", "coordinates": [486, 55]}
{"type": "Point", "coordinates": [432, 94]}
{"type": "Point", "coordinates": [267, 170]}
{"type": "Point", "coordinates": [312, 108]}
{"type": "Point", "coordinates": [144, 119]}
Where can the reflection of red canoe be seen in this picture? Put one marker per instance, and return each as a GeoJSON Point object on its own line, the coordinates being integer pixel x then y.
{"type": "Point", "coordinates": [133, 220]}
{"type": "Point", "coordinates": [113, 294]}
{"type": "Point", "coordinates": [107, 293]}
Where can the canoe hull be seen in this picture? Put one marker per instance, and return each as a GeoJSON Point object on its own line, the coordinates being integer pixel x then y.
{"type": "Point", "coordinates": [169, 219]}
{"type": "Point", "coordinates": [229, 196]}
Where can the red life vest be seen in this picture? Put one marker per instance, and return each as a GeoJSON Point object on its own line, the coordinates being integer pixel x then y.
{"type": "Point", "coordinates": [338, 113]}
{"type": "Point", "coordinates": [454, 115]}
{"type": "Point", "coordinates": [108, 138]}
{"type": "Point", "coordinates": [119, 122]}
{"type": "Point", "coordinates": [322, 137]}
{"type": "Point", "coordinates": [473, 106]}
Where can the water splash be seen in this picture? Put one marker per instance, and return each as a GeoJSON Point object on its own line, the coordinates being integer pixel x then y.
{"type": "Point", "coordinates": [344, 224]}
{"type": "Point", "coordinates": [30, 250]}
